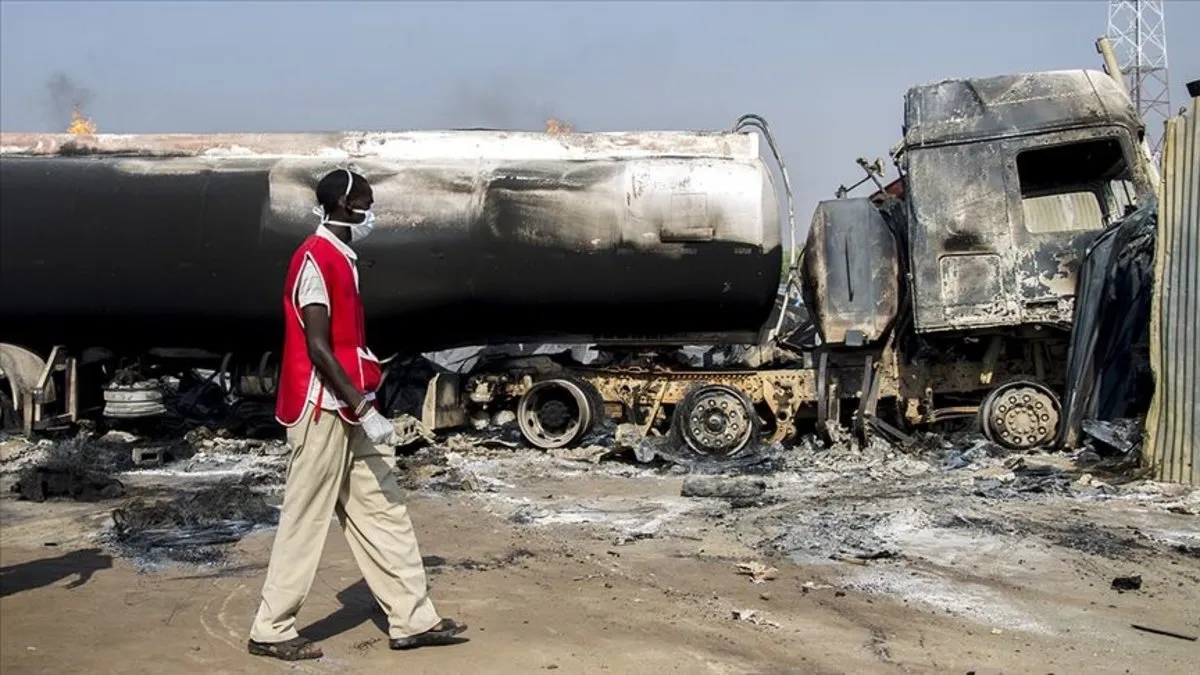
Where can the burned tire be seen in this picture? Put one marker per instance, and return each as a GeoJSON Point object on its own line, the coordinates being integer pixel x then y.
{"type": "Point", "coordinates": [715, 421]}
{"type": "Point", "coordinates": [558, 412]}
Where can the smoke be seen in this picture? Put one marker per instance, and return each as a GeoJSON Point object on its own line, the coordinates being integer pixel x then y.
{"type": "Point", "coordinates": [524, 88]}
{"type": "Point", "coordinates": [503, 102]}
{"type": "Point", "coordinates": [65, 95]}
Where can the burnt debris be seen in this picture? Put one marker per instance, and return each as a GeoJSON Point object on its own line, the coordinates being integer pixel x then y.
{"type": "Point", "coordinates": [64, 481]}
{"type": "Point", "coordinates": [193, 527]}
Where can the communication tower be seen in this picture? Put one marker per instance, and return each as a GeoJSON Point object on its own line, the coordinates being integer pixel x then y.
{"type": "Point", "coordinates": [1138, 32]}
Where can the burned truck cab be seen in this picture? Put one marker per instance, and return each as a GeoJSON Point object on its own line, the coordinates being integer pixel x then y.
{"type": "Point", "coordinates": [1008, 180]}
{"type": "Point", "coordinates": [960, 277]}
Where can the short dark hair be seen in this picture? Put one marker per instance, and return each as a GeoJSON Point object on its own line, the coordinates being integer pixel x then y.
{"type": "Point", "coordinates": [333, 186]}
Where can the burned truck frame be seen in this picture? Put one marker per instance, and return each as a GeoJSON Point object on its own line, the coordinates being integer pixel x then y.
{"type": "Point", "coordinates": [948, 295]}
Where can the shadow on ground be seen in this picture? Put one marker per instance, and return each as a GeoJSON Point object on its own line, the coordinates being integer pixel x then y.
{"type": "Point", "coordinates": [38, 573]}
{"type": "Point", "coordinates": [358, 607]}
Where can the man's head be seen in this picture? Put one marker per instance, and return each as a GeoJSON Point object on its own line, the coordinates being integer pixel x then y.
{"type": "Point", "coordinates": [345, 199]}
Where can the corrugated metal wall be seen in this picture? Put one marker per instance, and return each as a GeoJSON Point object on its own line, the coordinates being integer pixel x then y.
{"type": "Point", "coordinates": [1173, 423]}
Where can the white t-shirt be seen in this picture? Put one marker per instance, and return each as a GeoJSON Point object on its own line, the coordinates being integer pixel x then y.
{"type": "Point", "coordinates": [310, 290]}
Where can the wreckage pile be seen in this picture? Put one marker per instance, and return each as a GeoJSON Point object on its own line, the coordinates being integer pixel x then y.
{"type": "Point", "coordinates": [815, 501]}
{"type": "Point", "coordinates": [192, 527]}
{"type": "Point", "coordinates": [80, 468]}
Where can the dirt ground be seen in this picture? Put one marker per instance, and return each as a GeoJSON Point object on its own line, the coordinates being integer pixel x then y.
{"type": "Point", "coordinates": [570, 565]}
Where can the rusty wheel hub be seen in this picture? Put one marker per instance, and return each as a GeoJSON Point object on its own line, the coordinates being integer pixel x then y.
{"type": "Point", "coordinates": [554, 414]}
{"type": "Point", "coordinates": [1021, 416]}
{"type": "Point", "coordinates": [718, 423]}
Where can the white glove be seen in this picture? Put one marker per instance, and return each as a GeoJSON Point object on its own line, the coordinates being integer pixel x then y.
{"type": "Point", "coordinates": [378, 428]}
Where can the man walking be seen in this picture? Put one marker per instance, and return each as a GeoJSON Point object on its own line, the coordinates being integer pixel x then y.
{"type": "Point", "coordinates": [340, 461]}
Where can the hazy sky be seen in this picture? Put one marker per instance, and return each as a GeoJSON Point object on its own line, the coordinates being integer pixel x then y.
{"type": "Point", "coordinates": [829, 77]}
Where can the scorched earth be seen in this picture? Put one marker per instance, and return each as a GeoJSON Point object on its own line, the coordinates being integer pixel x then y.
{"type": "Point", "coordinates": [947, 555]}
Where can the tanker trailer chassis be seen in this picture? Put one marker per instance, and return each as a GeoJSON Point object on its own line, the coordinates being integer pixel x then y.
{"type": "Point", "coordinates": [1006, 388]}
{"type": "Point", "coordinates": [709, 413]}
{"type": "Point", "coordinates": [39, 394]}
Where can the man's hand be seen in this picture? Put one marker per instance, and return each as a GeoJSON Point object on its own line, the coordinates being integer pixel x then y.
{"type": "Point", "coordinates": [379, 429]}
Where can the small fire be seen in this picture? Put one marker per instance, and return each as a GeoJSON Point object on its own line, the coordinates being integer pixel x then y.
{"type": "Point", "coordinates": [554, 126]}
{"type": "Point", "coordinates": [80, 125]}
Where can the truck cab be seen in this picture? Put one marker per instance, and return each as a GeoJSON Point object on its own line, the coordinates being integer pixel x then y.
{"type": "Point", "coordinates": [960, 277]}
{"type": "Point", "coordinates": [1008, 180]}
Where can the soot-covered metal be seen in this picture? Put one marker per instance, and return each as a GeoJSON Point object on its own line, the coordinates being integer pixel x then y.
{"type": "Point", "coordinates": [141, 251]}
{"type": "Point", "coordinates": [851, 272]}
{"type": "Point", "coordinates": [1011, 178]}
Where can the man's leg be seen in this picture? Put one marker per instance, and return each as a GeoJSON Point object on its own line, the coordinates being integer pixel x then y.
{"type": "Point", "coordinates": [380, 533]}
{"type": "Point", "coordinates": [316, 471]}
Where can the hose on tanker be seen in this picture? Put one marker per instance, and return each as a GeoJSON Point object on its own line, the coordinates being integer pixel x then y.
{"type": "Point", "coordinates": [751, 120]}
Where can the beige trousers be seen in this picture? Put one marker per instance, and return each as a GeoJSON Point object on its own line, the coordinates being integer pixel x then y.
{"type": "Point", "coordinates": [334, 468]}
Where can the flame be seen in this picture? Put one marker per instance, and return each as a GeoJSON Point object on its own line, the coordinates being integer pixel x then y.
{"type": "Point", "coordinates": [554, 126]}
{"type": "Point", "coordinates": [80, 125]}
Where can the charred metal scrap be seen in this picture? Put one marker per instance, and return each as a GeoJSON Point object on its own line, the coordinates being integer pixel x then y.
{"type": "Point", "coordinates": [1109, 368]}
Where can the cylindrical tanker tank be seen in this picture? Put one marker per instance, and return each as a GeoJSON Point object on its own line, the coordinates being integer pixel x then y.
{"type": "Point", "coordinates": [481, 237]}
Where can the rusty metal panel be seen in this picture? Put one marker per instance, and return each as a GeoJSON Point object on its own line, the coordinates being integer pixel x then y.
{"type": "Point", "coordinates": [1173, 423]}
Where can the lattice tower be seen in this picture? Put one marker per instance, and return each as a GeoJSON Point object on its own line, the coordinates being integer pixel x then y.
{"type": "Point", "coordinates": [1138, 32]}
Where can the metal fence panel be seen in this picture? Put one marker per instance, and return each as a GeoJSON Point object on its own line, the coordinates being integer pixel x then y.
{"type": "Point", "coordinates": [1173, 423]}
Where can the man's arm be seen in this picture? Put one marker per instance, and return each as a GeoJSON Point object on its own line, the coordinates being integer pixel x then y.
{"type": "Point", "coordinates": [320, 352]}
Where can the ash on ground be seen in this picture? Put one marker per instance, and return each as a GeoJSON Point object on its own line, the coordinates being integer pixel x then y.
{"type": "Point", "coordinates": [195, 527]}
{"type": "Point", "coordinates": [932, 521]}
{"type": "Point", "coordinates": [80, 468]}
{"type": "Point", "coordinates": [195, 524]}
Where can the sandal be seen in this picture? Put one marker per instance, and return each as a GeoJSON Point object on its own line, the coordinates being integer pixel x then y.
{"type": "Point", "coordinates": [441, 634]}
{"type": "Point", "coordinates": [296, 649]}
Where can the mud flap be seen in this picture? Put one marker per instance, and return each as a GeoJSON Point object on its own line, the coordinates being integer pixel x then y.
{"type": "Point", "coordinates": [443, 407]}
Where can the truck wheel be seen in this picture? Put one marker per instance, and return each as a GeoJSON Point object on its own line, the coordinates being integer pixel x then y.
{"type": "Point", "coordinates": [557, 412]}
{"type": "Point", "coordinates": [1021, 415]}
{"type": "Point", "coordinates": [715, 421]}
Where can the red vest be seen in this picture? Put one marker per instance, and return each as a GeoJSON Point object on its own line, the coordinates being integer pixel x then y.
{"type": "Point", "coordinates": [347, 332]}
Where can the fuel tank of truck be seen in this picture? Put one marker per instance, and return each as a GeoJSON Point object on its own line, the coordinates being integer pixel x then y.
{"type": "Point", "coordinates": [851, 272]}
{"type": "Point", "coordinates": [481, 237]}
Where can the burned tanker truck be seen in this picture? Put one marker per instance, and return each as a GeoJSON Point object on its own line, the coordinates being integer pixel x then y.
{"type": "Point", "coordinates": [947, 294]}
{"type": "Point", "coordinates": [126, 256]}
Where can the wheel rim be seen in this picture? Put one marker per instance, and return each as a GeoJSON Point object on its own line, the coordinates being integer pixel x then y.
{"type": "Point", "coordinates": [554, 414]}
{"type": "Point", "coordinates": [1021, 415]}
{"type": "Point", "coordinates": [717, 422]}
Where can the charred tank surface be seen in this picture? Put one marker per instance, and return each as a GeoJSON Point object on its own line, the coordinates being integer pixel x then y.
{"type": "Point", "coordinates": [851, 272]}
{"type": "Point", "coordinates": [173, 241]}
